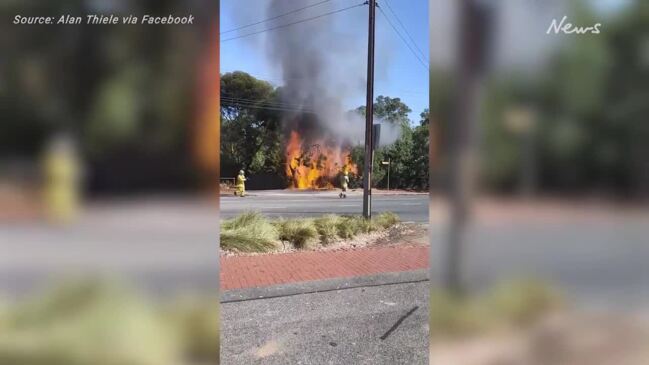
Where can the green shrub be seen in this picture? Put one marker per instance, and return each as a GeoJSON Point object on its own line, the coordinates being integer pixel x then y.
{"type": "Point", "coordinates": [4, 315]}
{"type": "Point", "coordinates": [364, 225]}
{"type": "Point", "coordinates": [327, 227]}
{"type": "Point", "coordinates": [386, 220]}
{"type": "Point", "coordinates": [516, 303]}
{"type": "Point", "coordinates": [345, 227]}
{"type": "Point", "coordinates": [523, 301]}
{"type": "Point", "coordinates": [301, 233]}
{"type": "Point", "coordinates": [252, 232]}
{"type": "Point", "coordinates": [87, 322]}
{"type": "Point", "coordinates": [249, 232]}
{"type": "Point", "coordinates": [197, 321]}
{"type": "Point", "coordinates": [350, 226]}
{"type": "Point", "coordinates": [451, 315]}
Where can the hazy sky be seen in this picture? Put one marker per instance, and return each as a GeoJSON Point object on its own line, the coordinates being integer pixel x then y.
{"type": "Point", "coordinates": [398, 72]}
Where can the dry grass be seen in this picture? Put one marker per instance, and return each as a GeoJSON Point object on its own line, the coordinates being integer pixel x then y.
{"type": "Point", "coordinates": [88, 322]}
{"type": "Point", "coordinates": [518, 303]}
{"type": "Point", "coordinates": [252, 232]}
{"type": "Point", "coordinates": [301, 233]}
{"type": "Point", "coordinates": [327, 227]}
{"type": "Point", "coordinates": [249, 232]}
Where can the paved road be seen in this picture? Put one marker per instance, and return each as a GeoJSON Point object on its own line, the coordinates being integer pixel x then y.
{"type": "Point", "coordinates": [162, 245]}
{"type": "Point", "coordinates": [412, 207]}
{"type": "Point", "coordinates": [371, 325]}
{"type": "Point", "coordinates": [597, 256]}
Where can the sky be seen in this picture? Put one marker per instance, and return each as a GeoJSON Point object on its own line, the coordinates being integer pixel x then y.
{"type": "Point", "coordinates": [398, 73]}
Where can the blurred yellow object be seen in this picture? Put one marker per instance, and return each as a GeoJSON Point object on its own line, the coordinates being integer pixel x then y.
{"type": "Point", "coordinates": [62, 175]}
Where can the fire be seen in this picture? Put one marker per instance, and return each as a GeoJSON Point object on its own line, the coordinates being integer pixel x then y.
{"type": "Point", "coordinates": [315, 165]}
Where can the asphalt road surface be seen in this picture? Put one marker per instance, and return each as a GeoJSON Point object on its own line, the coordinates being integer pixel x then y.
{"type": "Point", "coordinates": [366, 325]}
{"type": "Point", "coordinates": [596, 255]}
{"type": "Point", "coordinates": [410, 207]}
{"type": "Point", "coordinates": [163, 246]}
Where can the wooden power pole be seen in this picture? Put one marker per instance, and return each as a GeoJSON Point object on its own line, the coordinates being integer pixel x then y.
{"type": "Point", "coordinates": [369, 115]}
{"type": "Point", "coordinates": [473, 55]}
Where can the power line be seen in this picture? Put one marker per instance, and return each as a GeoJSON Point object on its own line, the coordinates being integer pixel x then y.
{"type": "Point", "coordinates": [387, 2]}
{"type": "Point", "coordinates": [275, 17]}
{"type": "Point", "coordinates": [265, 107]}
{"type": "Point", "coordinates": [261, 102]}
{"type": "Point", "coordinates": [293, 23]}
{"type": "Point", "coordinates": [247, 104]}
{"type": "Point", "coordinates": [276, 109]}
{"type": "Point", "coordinates": [403, 39]}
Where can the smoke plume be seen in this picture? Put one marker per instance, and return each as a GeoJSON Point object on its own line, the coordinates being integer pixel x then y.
{"type": "Point", "coordinates": [322, 66]}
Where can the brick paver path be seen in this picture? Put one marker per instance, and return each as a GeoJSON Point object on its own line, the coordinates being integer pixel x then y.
{"type": "Point", "coordinates": [264, 270]}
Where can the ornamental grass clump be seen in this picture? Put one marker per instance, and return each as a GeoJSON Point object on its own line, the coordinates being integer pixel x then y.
{"type": "Point", "coordinates": [301, 233]}
{"type": "Point", "coordinates": [249, 232]}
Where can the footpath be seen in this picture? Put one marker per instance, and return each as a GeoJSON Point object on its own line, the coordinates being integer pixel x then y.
{"type": "Point", "coordinates": [240, 272]}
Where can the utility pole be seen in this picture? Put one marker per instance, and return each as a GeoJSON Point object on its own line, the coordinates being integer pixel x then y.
{"type": "Point", "coordinates": [474, 37]}
{"type": "Point", "coordinates": [369, 115]}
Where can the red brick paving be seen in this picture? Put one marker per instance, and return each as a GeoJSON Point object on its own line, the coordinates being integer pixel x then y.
{"type": "Point", "coordinates": [239, 272]}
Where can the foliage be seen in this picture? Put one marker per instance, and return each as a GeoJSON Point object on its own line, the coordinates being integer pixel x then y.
{"type": "Point", "coordinates": [251, 137]}
{"type": "Point", "coordinates": [249, 232]}
{"type": "Point", "coordinates": [386, 219]}
{"type": "Point", "coordinates": [408, 155]}
{"type": "Point", "coordinates": [301, 233]}
{"type": "Point", "coordinates": [197, 323]}
{"type": "Point", "coordinates": [96, 321]}
{"type": "Point", "coordinates": [115, 89]}
{"type": "Point", "coordinates": [590, 127]}
{"type": "Point", "coordinates": [88, 323]}
{"type": "Point", "coordinates": [327, 227]}
{"type": "Point", "coordinates": [517, 303]}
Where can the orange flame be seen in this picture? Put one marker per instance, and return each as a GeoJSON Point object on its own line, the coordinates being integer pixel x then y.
{"type": "Point", "coordinates": [315, 165]}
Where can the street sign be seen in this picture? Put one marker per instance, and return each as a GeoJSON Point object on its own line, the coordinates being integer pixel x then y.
{"type": "Point", "coordinates": [376, 134]}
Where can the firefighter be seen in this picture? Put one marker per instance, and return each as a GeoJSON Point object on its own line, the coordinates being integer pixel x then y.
{"type": "Point", "coordinates": [241, 184]}
{"type": "Point", "coordinates": [344, 182]}
{"type": "Point", "coordinates": [62, 181]}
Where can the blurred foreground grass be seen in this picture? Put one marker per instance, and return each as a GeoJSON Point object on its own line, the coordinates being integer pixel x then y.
{"type": "Point", "coordinates": [104, 323]}
{"type": "Point", "coordinates": [511, 304]}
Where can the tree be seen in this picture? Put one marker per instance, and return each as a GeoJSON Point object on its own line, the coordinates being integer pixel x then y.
{"type": "Point", "coordinates": [251, 135]}
{"type": "Point", "coordinates": [420, 148]}
{"type": "Point", "coordinates": [408, 155]}
{"type": "Point", "coordinates": [389, 109]}
{"type": "Point", "coordinates": [127, 94]}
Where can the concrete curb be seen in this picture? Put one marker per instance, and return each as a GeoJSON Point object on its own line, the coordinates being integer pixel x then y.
{"type": "Point", "coordinates": [308, 287]}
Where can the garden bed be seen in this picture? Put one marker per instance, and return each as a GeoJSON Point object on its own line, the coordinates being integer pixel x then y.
{"type": "Point", "coordinates": [252, 233]}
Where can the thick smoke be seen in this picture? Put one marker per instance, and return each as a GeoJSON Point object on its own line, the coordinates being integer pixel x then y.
{"type": "Point", "coordinates": [322, 65]}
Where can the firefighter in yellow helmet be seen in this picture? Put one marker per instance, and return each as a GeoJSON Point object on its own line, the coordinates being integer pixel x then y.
{"type": "Point", "coordinates": [241, 184]}
{"type": "Point", "coordinates": [344, 183]}
{"type": "Point", "coordinates": [62, 181]}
